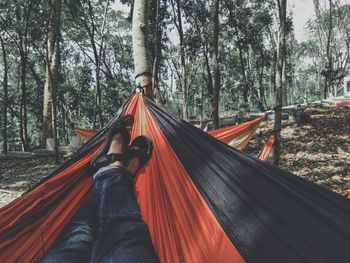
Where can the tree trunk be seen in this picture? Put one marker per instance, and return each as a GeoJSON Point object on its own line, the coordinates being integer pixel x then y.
{"type": "Point", "coordinates": [284, 85]}
{"type": "Point", "coordinates": [279, 79]}
{"type": "Point", "coordinates": [142, 61]}
{"type": "Point", "coordinates": [97, 57]}
{"type": "Point", "coordinates": [22, 17]}
{"type": "Point", "coordinates": [262, 95]}
{"type": "Point", "coordinates": [23, 53]}
{"type": "Point", "coordinates": [329, 69]}
{"type": "Point", "coordinates": [98, 100]}
{"type": "Point", "coordinates": [183, 63]}
{"type": "Point", "coordinates": [52, 74]}
{"type": "Point", "coordinates": [215, 63]}
{"type": "Point", "coordinates": [244, 76]}
{"type": "Point", "coordinates": [65, 124]}
{"type": "Point", "coordinates": [23, 109]}
{"type": "Point", "coordinates": [5, 85]}
{"type": "Point", "coordinates": [207, 66]}
{"type": "Point", "coordinates": [158, 47]}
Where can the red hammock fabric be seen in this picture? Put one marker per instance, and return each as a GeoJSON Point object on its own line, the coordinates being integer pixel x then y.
{"type": "Point", "coordinates": [202, 200]}
{"type": "Point", "coordinates": [266, 151]}
{"type": "Point", "coordinates": [239, 135]}
{"type": "Point", "coordinates": [84, 133]}
{"type": "Point", "coordinates": [343, 103]}
{"type": "Point", "coordinates": [236, 136]}
{"type": "Point", "coordinates": [177, 216]}
{"type": "Point", "coordinates": [182, 227]}
{"type": "Point", "coordinates": [30, 224]}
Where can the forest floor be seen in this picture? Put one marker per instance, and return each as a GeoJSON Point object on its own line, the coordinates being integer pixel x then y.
{"type": "Point", "coordinates": [317, 149]}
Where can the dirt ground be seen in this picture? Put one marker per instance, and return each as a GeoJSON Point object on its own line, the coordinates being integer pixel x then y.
{"type": "Point", "coordinates": [19, 175]}
{"type": "Point", "coordinates": [315, 147]}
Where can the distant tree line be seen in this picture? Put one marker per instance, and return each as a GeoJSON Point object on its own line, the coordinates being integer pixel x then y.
{"type": "Point", "coordinates": [210, 59]}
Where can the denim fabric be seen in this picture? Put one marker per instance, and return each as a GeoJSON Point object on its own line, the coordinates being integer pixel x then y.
{"type": "Point", "coordinates": [109, 228]}
{"type": "Point", "coordinates": [76, 240]}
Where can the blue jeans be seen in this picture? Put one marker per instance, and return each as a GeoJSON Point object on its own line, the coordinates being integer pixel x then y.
{"type": "Point", "coordinates": [109, 228]}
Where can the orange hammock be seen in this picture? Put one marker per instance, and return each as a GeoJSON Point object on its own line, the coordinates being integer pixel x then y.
{"type": "Point", "coordinates": [202, 201]}
{"type": "Point", "coordinates": [180, 221]}
{"type": "Point", "coordinates": [344, 103]}
{"type": "Point", "coordinates": [266, 151]}
{"type": "Point", "coordinates": [236, 136]}
{"type": "Point", "coordinates": [85, 134]}
{"type": "Point", "coordinates": [239, 135]}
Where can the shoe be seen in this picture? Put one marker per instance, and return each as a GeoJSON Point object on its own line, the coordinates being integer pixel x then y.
{"type": "Point", "coordinates": [122, 125]}
{"type": "Point", "coordinates": [142, 147]}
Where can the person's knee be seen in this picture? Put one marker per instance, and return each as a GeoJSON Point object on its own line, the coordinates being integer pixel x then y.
{"type": "Point", "coordinates": [77, 237]}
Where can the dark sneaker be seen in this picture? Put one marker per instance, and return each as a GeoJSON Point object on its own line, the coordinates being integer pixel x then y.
{"type": "Point", "coordinates": [122, 125]}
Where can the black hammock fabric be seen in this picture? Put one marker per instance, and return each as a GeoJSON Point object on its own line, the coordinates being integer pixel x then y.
{"type": "Point", "coordinates": [269, 214]}
{"type": "Point", "coordinates": [203, 201]}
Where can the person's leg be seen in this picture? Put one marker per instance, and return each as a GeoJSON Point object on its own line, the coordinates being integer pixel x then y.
{"type": "Point", "coordinates": [127, 241]}
{"type": "Point", "coordinates": [76, 240]}
{"type": "Point", "coordinates": [123, 236]}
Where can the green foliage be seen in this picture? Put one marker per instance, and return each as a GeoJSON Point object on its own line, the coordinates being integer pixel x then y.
{"type": "Point", "coordinates": [247, 54]}
{"type": "Point", "coordinates": [333, 27]}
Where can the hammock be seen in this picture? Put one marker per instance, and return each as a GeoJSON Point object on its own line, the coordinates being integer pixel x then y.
{"type": "Point", "coordinates": [236, 136]}
{"type": "Point", "coordinates": [85, 134]}
{"type": "Point", "coordinates": [203, 201]}
{"type": "Point", "coordinates": [344, 103]}
{"type": "Point", "coordinates": [266, 151]}
{"type": "Point", "coordinates": [239, 135]}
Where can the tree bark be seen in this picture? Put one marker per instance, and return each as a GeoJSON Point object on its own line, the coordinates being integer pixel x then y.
{"type": "Point", "coordinates": [23, 106]}
{"type": "Point", "coordinates": [329, 70]}
{"type": "Point", "coordinates": [158, 46]}
{"type": "Point", "coordinates": [52, 74]}
{"type": "Point", "coordinates": [97, 57]}
{"type": "Point", "coordinates": [184, 85]}
{"type": "Point", "coordinates": [262, 95]}
{"type": "Point", "coordinates": [207, 66]}
{"type": "Point", "coordinates": [244, 75]}
{"type": "Point", "coordinates": [279, 79]}
{"type": "Point", "coordinates": [284, 83]}
{"type": "Point", "coordinates": [215, 63]}
{"type": "Point", "coordinates": [142, 60]}
{"type": "Point", "coordinates": [23, 53]}
{"type": "Point", "coordinates": [5, 86]}
{"type": "Point", "coordinates": [325, 34]}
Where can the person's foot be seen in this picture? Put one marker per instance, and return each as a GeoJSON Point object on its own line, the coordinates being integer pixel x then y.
{"type": "Point", "coordinates": [133, 165]}
{"type": "Point", "coordinates": [116, 143]}
{"type": "Point", "coordinates": [138, 154]}
{"type": "Point", "coordinates": [119, 140]}
{"type": "Point", "coordinates": [117, 149]}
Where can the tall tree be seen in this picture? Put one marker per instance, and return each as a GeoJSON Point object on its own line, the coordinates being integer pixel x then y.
{"type": "Point", "coordinates": [141, 52]}
{"type": "Point", "coordinates": [52, 73]}
{"type": "Point", "coordinates": [280, 78]}
{"type": "Point", "coordinates": [24, 22]}
{"type": "Point", "coordinates": [177, 17]}
{"type": "Point", "coordinates": [330, 32]}
{"type": "Point", "coordinates": [158, 45]}
{"type": "Point", "coordinates": [91, 22]}
{"type": "Point", "coordinates": [5, 98]}
{"type": "Point", "coordinates": [329, 66]}
{"type": "Point", "coordinates": [215, 65]}
{"type": "Point", "coordinates": [97, 50]}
